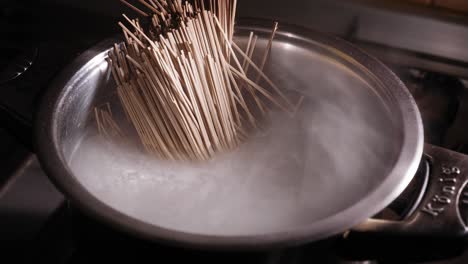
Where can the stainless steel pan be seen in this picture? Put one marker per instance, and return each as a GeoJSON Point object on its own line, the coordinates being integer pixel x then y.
{"type": "Point", "coordinates": [327, 179]}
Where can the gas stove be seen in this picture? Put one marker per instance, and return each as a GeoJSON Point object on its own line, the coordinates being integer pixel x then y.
{"type": "Point", "coordinates": [37, 224]}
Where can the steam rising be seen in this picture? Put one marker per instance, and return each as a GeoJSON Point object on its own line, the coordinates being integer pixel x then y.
{"type": "Point", "coordinates": [332, 153]}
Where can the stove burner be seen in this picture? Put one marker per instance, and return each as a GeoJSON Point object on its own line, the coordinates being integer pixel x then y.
{"type": "Point", "coordinates": [16, 62]}
{"type": "Point", "coordinates": [438, 98]}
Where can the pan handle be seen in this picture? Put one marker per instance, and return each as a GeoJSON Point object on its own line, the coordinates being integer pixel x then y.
{"type": "Point", "coordinates": [444, 208]}
{"type": "Point", "coordinates": [439, 220]}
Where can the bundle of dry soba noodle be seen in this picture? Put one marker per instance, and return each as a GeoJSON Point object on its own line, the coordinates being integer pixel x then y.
{"type": "Point", "coordinates": [183, 82]}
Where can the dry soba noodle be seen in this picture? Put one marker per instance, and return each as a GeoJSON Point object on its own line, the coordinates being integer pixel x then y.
{"type": "Point", "coordinates": [184, 84]}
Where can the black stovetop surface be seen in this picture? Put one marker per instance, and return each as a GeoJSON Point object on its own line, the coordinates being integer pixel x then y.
{"type": "Point", "coordinates": [38, 225]}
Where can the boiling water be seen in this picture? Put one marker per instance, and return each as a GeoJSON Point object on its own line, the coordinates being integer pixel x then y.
{"type": "Point", "coordinates": [299, 171]}
{"type": "Point", "coordinates": [335, 150]}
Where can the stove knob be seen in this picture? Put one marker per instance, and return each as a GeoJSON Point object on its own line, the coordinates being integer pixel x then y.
{"type": "Point", "coordinates": [17, 63]}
